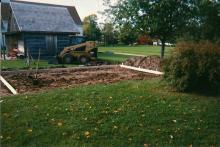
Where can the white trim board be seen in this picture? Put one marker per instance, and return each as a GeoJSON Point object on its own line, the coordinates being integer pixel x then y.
{"type": "Point", "coordinates": [8, 86]}
{"type": "Point", "coordinates": [142, 70]}
{"type": "Point", "coordinates": [128, 54]}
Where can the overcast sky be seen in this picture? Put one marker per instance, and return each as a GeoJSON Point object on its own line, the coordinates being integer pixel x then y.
{"type": "Point", "coordinates": [84, 7]}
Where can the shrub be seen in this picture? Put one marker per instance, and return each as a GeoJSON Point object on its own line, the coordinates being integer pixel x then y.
{"type": "Point", "coordinates": [194, 66]}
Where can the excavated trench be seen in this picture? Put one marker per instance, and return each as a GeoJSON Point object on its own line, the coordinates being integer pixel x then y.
{"type": "Point", "coordinates": [25, 82]}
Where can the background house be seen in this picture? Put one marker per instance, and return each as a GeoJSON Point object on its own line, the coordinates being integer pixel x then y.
{"type": "Point", "coordinates": [5, 9]}
{"type": "Point", "coordinates": [33, 26]}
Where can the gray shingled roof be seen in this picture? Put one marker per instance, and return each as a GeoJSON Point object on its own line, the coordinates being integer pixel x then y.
{"type": "Point", "coordinates": [40, 18]}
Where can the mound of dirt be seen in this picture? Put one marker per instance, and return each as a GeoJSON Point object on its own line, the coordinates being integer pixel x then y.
{"type": "Point", "coordinates": [149, 62]}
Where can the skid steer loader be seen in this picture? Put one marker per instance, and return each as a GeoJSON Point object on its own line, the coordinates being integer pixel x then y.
{"type": "Point", "coordinates": [83, 52]}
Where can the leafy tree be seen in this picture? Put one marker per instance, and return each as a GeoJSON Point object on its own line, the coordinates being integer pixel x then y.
{"type": "Point", "coordinates": [91, 29]}
{"type": "Point", "coordinates": [205, 22]}
{"type": "Point", "coordinates": [163, 19]}
{"type": "Point", "coordinates": [110, 34]}
{"type": "Point", "coordinates": [127, 34]}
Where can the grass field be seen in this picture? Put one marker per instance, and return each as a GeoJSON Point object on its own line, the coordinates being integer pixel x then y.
{"type": "Point", "coordinates": [111, 115]}
{"type": "Point", "coordinates": [20, 64]}
{"type": "Point", "coordinates": [113, 58]}
{"type": "Point", "coordinates": [141, 50]}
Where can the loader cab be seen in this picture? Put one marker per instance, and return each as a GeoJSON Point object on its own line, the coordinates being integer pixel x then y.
{"type": "Point", "coordinates": [74, 40]}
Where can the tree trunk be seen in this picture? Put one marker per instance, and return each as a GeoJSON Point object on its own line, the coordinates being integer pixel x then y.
{"type": "Point", "coordinates": [162, 49]}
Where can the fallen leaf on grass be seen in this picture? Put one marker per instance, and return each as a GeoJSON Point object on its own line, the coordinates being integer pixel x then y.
{"type": "Point", "coordinates": [141, 125]}
{"type": "Point", "coordinates": [87, 134]}
{"type": "Point", "coordinates": [115, 127]}
{"type": "Point", "coordinates": [115, 111]}
{"type": "Point", "coordinates": [60, 124]}
{"type": "Point", "coordinates": [119, 109]}
{"type": "Point", "coordinates": [174, 121]}
{"type": "Point", "coordinates": [29, 130]}
{"type": "Point", "coordinates": [171, 136]}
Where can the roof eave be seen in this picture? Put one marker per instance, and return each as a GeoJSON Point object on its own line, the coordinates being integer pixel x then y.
{"type": "Point", "coordinates": [40, 32]}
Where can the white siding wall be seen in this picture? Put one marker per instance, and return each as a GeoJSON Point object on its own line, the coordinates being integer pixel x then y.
{"type": "Point", "coordinates": [21, 46]}
{"type": "Point", "coordinates": [0, 39]}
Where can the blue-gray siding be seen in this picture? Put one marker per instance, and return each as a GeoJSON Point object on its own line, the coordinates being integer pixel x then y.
{"type": "Point", "coordinates": [48, 46]}
{"type": "Point", "coordinates": [35, 42]}
{"type": "Point", "coordinates": [62, 41]}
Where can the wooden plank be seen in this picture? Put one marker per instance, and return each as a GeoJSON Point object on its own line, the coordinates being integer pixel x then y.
{"type": "Point", "coordinates": [128, 54]}
{"type": "Point", "coordinates": [142, 70]}
{"type": "Point", "coordinates": [8, 86]}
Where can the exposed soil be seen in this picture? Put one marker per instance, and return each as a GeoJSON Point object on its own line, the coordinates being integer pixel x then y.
{"type": "Point", "coordinates": [149, 62]}
{"type": "Point", "coordinates": [61, 78]}
{"type": "Point", "coordinates": [3, 90]}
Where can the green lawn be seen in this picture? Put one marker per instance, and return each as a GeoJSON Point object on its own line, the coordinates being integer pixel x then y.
{"type": "Point", "coordinates": [131, 113]}
{"type": "Point", "coordinates": [141, 50]}
{"type": "Point", "coordinates": [113, 58]}
{"type": "Point", "coordinates": [20, 64]}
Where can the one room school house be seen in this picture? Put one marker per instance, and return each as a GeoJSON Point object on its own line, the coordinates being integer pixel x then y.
{"type": "Point", "coordinates": [33, 26]}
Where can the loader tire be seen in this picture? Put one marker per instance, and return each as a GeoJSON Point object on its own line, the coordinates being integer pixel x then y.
{"type": "Point", "coordinates": [83, 59]}
{"type": "Point", "coordinates": [68, 59]}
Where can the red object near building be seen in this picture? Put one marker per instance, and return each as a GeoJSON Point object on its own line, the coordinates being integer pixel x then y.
{"type": "Point", "coordinates": [145, 39]}
{"type": "Point", "coordinates": [13, 52]}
